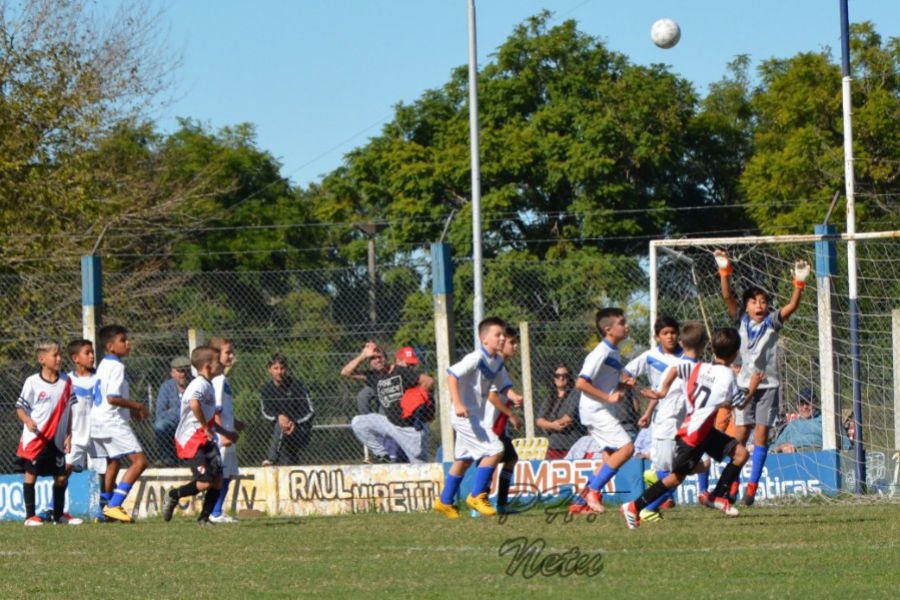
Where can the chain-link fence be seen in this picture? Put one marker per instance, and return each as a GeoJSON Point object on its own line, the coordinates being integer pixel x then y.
{"type": "Point", "coordinates": [321, 319]}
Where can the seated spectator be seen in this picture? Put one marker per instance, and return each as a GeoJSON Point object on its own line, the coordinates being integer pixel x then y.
{"type": "Point", "coordinates": [286, 403]}
{"type": "Point", "coordinates": [558, 414]}
{"type": "Point", "coordinates": [404, 398]}
{"type": "Point", "coordinates": [168, 409]}
{"type": "Point", "coordinates": [805, 431]}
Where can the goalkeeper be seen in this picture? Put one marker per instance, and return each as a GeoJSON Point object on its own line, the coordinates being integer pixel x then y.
{"type": "Point", "coordinates": [758, 325]}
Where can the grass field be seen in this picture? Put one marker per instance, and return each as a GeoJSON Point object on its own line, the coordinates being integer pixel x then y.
{"type": "Point", "coordinates": [826, 551]}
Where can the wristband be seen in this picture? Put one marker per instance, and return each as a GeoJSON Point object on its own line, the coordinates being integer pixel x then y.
{"type": "Point", "coordinates": [726, 271]}
{"type": "Point", "coordinates": [799, 284]}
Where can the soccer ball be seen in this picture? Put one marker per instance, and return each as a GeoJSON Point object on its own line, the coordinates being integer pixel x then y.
{"type": "Point", "coordinates": [665, 33]}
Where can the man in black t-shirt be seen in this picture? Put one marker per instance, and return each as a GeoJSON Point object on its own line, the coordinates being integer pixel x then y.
{"type": "Point", "coordinates": [390, 383]}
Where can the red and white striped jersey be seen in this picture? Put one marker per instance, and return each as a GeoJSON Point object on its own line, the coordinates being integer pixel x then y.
{"type": "Point", "coordinates": [706, 387]}
{"type": "Point", "coordinates": [189, 435]}
{"type": "Point", "coordinates": [49, 406]}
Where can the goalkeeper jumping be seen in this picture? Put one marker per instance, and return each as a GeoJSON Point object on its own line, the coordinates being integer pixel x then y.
{"type": "Point", "coordinates": [758, 327]}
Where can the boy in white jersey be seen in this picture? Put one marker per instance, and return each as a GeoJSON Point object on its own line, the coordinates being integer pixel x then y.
{"type": "Point", "coordinates": [706, 387]}
{"type": "Point", "coordinates": [111, 433]}
{"type": "Point", "coordinates": [195, 437]}
{"type": "Point", "coordinates": [758, 326]}
{"type": "Point", "coordinates": [86, 389]}
{"type": "Point", "coordinates": [662, 416]}
{"type": "Point", "coordinates": [228, 426]}
{"type": "Point", "coordinates": [470, 381]}
{"type": "Point", "coordinates": [602, 408]}
{"type": "Point", "coordinates": [44, 407]}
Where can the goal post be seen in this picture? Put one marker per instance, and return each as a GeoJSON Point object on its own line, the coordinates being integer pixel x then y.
{"type": "Point", "coordinates": [815, 344]}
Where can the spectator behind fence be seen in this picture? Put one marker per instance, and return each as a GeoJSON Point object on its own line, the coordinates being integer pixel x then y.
{"type": "Point", "coordinates": [804, 432]}
{"type": "Point", "coordinates": [558, 415]}
{"type": "Point", "coordinates": [286, 403]}
{"type": "Point", "coordinates": [404, 396]}
{"type": "Point", "coordinates": [367, 400]}
{"type": "Point", "coordinates": [168, 408]}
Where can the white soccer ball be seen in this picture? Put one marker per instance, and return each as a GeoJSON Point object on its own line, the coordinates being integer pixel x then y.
{"type": "Point", "coordinates": [665, 33]}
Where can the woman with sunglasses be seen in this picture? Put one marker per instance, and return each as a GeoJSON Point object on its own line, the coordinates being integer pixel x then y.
{"type": "Point", "coordinates": [558, 415]}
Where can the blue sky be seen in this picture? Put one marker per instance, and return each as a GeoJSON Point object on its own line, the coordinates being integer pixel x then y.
{"type": "Point", "coordinates": [319, 77]}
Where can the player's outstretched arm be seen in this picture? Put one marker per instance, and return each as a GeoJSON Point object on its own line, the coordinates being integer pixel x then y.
{"type": "Point", "coordinates": [799, 274]}
{"type": "Point", "coordinates": [724, 264]}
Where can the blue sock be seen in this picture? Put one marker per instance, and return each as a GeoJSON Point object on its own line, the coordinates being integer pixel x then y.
{"type": "Point", "coordinates": [217, 508]}
{"type": "Point", "coordinates": [602, 478]}
{"type": "Point", "coordinates": [703, 481]}
{"type": "Point", "coordinates": [451, 486]}
{"type": "Point", "coordinates": [759, 460]}
{"type": "Point", "coordinates": [656, 503]}
{"type": "Point", "coordinates": [119, 495]}
{"type": "Point", "coordinates": [483, 478]}
{"type": "Point", "coordinates": [662, 474]}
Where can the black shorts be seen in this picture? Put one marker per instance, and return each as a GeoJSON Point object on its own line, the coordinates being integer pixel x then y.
{"type": "Point", "coordinates": [51, 462]}
{"type": "Point", "coordinates": [206, 466]}
{"type": "Point", "coordinates": [717, 444]}
{"type": "Point", "coordinates": [509, 451]}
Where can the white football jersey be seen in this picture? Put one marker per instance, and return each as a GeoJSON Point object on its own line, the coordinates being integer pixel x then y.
{"type": "Point", "coordinates": [706, 387]}
{"type": "Point", "coordinates": [654, 363]}
{"type": "Point", "coordinates": [190, 435]}
{"type": "Point", "coordinates": [476, 373]}
{"type": "Point", "coordinates": [48, 405]}
{"type": "Point", "coordinates": [87, 391]}
{"type": "Point", "coordinates": [602, 368]}
{"type": "Point", "coordinates": [111, 379]}
{"type": "Point", "coordinates": [224, 405]}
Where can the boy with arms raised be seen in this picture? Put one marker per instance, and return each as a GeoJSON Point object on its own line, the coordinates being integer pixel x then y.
{"type": "Point", "coordinates": [706, 387]}
{"type": "Point", "coordinates": [111, 433]}
{"type": "Point", "coordinates": [665, 415]}
{"type": "Point", "coordinates": [601, 407]}
{"type": "Point", "coordinates": [195, 439]}
{"type": "Point", "coordinates": [758, 326]}
{"type": "Point", "coordinates": [44, 407]}
{"type": "Point", "coordinates": [470, 382]}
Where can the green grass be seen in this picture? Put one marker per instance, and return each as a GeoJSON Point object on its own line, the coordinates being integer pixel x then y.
{"type": "Point", "coordinates": [825, 551]}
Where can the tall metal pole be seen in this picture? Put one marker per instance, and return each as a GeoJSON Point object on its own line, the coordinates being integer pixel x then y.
{"type": "Point", "coordinates": [849, 183]}
{"type": "Point", "coordinates": [478, 299]}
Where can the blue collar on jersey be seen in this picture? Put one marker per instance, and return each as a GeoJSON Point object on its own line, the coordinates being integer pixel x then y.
{"type": "Point", "coordinates": [607, 342]}
{"type": "Point", "coordinates": [112, 357]}
{"type": "Point", "coordinates": [678, 350]}
{"type": "Point", "coordinates": [755, 330]}
{"type": "Point", "coordinates": [486, 354]}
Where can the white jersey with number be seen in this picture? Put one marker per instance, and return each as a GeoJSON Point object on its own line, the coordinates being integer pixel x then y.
{"type": "Point", "coordinates": [602, 369]}
{"type": "Point", "coordinates": [48, 404]}
{"type": "Point", "coordinates": [224, 404]}
{"type": "Point", "coordinates": [107, 420]}
{"type": "Point", "coordinates": [189, 435]}
{"type": "Point", "coordinates": [706, 387]}
{"type": "Point", "coordinates": [86, 390]}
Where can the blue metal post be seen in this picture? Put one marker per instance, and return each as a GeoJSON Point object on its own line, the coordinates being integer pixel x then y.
{"type": "Point", "coordinates": [91, 297]}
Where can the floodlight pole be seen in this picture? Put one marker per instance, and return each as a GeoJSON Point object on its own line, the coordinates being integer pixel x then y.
{"type": "Point", "coordinates": [849, 184]}
{"type": "Point", "coordinates": [478, 294]}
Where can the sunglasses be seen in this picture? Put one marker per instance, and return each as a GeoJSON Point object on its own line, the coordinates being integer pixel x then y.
{"type": "Point", "coordinates": [560, 375]}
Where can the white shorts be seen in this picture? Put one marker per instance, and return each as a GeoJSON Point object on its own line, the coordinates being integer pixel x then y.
{"type": "Point", "coordinates": [474, 441]}
{"type": "Point", "coordinates": [229, 461]}
{"type": "Point", "coordinates": [80, 458]}
{"type": "Point", "coordinates": [121, 442]}
{"type": "Point", "coordinates": [610, 436]}
{"type": "Point", "coordinates": [661, 453]}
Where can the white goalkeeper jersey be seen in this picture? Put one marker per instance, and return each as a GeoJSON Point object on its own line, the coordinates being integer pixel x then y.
{"type": "Point", "coordinates": [48, 404]}
{"type": "Point", "coordinates": [189, 435]}
{"type": "Point", "coordinates": [706, 387]}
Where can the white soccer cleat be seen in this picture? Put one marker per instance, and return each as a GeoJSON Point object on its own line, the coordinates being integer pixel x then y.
{"type": "Point", "coordinates": [725, 506]}
{"type": "Point", "coordinates": [34, 521]}
{"type": "Point", "coordinates": [632, 518]}
{"type": "Point", "coordinates": [68, 519]}
{"type": "Point", "coordinates": [221, 519]}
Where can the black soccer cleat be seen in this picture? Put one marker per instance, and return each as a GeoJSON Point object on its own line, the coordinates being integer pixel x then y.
{"type": "Point", "coordinates": [169, 506]}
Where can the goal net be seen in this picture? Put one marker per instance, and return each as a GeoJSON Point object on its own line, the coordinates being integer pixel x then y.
{"type": "Point", "coordinates": [815, 351]}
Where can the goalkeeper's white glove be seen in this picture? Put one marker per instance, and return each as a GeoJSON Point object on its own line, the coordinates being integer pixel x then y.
{"type": "Point", "coordinates": [722, 262]}
{"type": "Point", "coordinates": [801, 272]}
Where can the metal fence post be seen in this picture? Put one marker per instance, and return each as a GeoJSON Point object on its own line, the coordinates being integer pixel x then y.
{"type": "Point", "coordinates": [442, 289]}
{"type": "Point", "coordinates": [91, 298]}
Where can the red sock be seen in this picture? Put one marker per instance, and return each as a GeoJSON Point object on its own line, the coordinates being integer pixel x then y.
{"type": "Point", "coordinates": [751, 488]}
{"type": "Point", "coordinates": [735, 487]}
